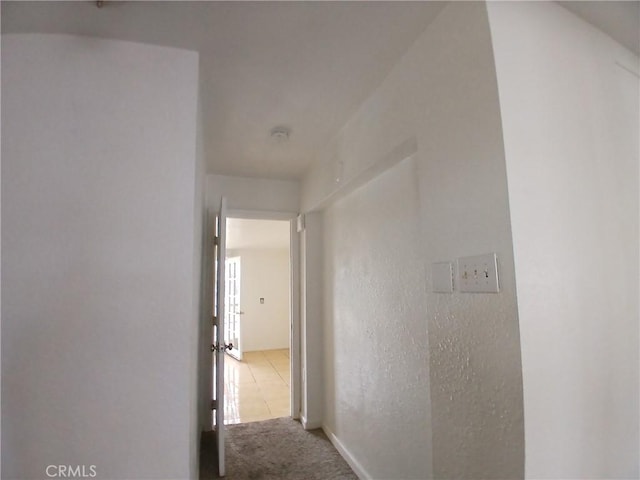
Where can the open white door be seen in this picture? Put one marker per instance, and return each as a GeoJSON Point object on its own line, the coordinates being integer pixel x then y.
{"type": "Point", "coordinates": [232, 306]}
{"type": "Point", "coordinates": [219, 347]}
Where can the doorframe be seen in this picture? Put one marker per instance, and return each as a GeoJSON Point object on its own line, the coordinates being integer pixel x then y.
{"type": "Point", "coordinates": [237, 345]}
{"type": "Point", "coordinates": [295, 359]}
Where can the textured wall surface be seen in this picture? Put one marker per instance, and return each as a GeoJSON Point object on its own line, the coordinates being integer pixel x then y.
{"type": "Point", "coordinates": [98, 282]}
{"type": "Point", "coordinates": [476, 383]}
{"type": "Point", "coordinates": [443, 94]}
{"type": "Point", "coordinates": [571, 111]}
{"type": "Point", "coordinates": [376, 367]}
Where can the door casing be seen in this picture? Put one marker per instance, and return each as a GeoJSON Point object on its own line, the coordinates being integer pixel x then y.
{"type": "Point", "coordinates": [294, 306]}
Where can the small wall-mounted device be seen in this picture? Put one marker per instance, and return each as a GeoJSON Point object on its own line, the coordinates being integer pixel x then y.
{"type": "Point", "coordinates": [478, 274]}
{"type": "Point", "coordinates": [261, 299]}
{"type": "Point", "coordinates": [442, 277]}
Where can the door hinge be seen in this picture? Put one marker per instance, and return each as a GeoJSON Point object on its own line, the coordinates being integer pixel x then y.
{"type": "Point", "coordinates": [216, 240]}
{"type": "Point", "coordinates": [214, 404]}
{"type": "Point", "coordinates": [215, 320]}
{"type": "Point", "coordinates": [223, 348]}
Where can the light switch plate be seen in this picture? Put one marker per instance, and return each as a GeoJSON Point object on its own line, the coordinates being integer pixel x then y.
{"type": "Point", "coordinates": [478, 274]}
{"type": "Point", "coordinates": [442, 277]}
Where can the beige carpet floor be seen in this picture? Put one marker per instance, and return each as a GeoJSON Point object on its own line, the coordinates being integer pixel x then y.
{"type": "Point", "coordinates": [278, 449]}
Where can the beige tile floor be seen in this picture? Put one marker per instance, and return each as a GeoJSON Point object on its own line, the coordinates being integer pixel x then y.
{"type": "Point", "coordinates": [257, 388]}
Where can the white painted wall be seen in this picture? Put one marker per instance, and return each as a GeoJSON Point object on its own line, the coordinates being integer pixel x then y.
{"type": "Point", "coordinates": [440, 102]}
{"type": "Point", "coordinates": [570, 111]}
{"type": "Point", "coordinates": [98, 252]}
{"type": "Point", "coordinates": [203, 269]}
{"type": "Point", "coordinates": [253, 193]}
{"type": "Point", "coordinates": [264, 274]}
{"type": "Point", "coordinates": [375, 337]}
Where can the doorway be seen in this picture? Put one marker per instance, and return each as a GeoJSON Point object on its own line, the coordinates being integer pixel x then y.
{"type": "Point", "coordinates": [258, 321]}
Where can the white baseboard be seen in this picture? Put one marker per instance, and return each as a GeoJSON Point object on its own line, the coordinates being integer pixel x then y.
{"type": "Point", "coordinates": [309, 424]}
{"type": "Point", "coordinates": [353, 463]}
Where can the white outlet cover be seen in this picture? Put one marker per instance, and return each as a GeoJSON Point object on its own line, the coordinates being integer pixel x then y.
{"type": "Point", "coordinates": [478, 274]}
{"type": "Point", "coordinates": [442, 277]}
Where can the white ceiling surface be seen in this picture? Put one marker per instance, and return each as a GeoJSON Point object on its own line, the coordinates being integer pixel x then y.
{"type": "Point", "coordinates": [619, 19]}
{"type": "Point", "coordinates": [249, 233]}
{"type": "Point", "coordinates": [303, 65]}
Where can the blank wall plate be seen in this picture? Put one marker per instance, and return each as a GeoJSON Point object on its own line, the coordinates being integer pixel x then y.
{"type": "Point", "coordinates": [478, 274]}
{"type": "Point", "coordinates": [442, 276]}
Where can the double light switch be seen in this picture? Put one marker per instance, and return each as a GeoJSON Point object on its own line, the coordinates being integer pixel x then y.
{"type": "Point", "coordinates": [476, 274]}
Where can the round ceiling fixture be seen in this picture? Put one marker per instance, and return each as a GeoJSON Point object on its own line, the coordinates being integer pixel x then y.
{"type": "Point", "coordinates": [280, 134]}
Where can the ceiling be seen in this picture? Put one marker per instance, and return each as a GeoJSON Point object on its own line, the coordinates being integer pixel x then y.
{"type": "Point", "coordinates": [249, 233]}
{"type": "Point", "coordinates": [303, 65]}
{"type": "Point", "coordinates": [619, 19]}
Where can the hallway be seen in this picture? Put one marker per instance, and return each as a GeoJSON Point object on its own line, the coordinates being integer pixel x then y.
{"type": "Point", "coordinates": [393, 142]}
